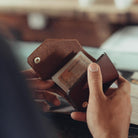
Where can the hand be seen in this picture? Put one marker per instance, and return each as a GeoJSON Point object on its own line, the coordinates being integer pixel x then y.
{"type": "Point", "coordinates": [107, 115]}
{"type": "Point", "coordinates": [39, 90]}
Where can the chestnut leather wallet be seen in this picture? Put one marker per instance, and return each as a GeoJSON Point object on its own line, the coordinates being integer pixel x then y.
{"type": "Point", "coordinates": [65, 62]}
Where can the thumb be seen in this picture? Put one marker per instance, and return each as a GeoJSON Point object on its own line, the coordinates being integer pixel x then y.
{"type": "Point", "coordinates": [95, 81]}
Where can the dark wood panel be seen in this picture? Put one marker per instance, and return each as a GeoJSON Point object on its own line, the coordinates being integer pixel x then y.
{"type": "Point", "coordinates": [83, 30]}
{"type": "Point", "coordinates": [88, 32]}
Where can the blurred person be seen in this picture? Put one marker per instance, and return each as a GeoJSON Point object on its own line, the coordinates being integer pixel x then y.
{"type": "Point", "coordinates": [19, 117]}
{"type": "Point", "coordinates": [108, 115]}
{"type": "Point", "coordinates": [39, 88]}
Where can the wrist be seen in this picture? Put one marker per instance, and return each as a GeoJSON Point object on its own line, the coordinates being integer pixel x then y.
{"type": "Point", "coordinates": [106, 134]}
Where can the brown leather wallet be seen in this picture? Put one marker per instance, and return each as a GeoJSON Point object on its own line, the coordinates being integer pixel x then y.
{"type": "Point", "coordinates": [66, 62]}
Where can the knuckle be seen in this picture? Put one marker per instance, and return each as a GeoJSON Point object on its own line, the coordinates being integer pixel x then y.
{"type": "Point", "coordinates": [127, 83]}
{"type": "Point", "coordinates": [127, 87]}
{"type": "Point", "coordinates": [95, 78]}
{"type": "Point", "coordinates": [95, 81]}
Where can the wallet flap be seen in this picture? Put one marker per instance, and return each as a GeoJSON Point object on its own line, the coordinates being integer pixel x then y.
{"type": "Point", "coordinates": [51, 55]}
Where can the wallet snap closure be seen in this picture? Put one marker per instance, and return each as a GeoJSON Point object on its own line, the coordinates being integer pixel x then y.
{"type": "Point", "coordinates": [84, 104]}
{"type": "Point", "coordinates": [37, 60]}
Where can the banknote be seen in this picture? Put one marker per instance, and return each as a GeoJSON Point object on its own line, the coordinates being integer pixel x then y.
{"type": "Point", "coordinates": [71, 72]}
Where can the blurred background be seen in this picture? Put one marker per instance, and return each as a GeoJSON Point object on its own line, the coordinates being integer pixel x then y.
{"type": "Point", "coordinates": [109, 26]}
{"type": "Point", "coordinates": [90, 21]}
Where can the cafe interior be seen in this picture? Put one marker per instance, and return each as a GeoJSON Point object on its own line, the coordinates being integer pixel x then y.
{"type": "Point", "coordinates": [98, 26]}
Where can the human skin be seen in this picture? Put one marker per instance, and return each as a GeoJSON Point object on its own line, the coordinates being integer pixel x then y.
{"type": "Point", "coordinates": [108, 115]}
{"type": "Point", "coordinates": [40, 91]}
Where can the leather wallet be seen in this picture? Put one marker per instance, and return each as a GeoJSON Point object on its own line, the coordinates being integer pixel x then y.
{"type": "Point", "coordinates": [66, 62]}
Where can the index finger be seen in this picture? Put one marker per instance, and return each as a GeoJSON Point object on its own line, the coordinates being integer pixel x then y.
{"type": "Point", "coordinates": [40, 84]}
{"type": "Point", "coordinates": [123, 84]}
{"type": "Point", "coordinates": [30, 73]}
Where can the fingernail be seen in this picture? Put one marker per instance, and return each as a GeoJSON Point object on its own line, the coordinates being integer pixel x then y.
{"type": "Point", "coordinates": [93, 67]}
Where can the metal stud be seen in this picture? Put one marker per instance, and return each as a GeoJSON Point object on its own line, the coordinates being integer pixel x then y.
{"type": "Point", "coordinates": [37, 60]}
{"type": "Point", "coordinates": [84, 104]}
